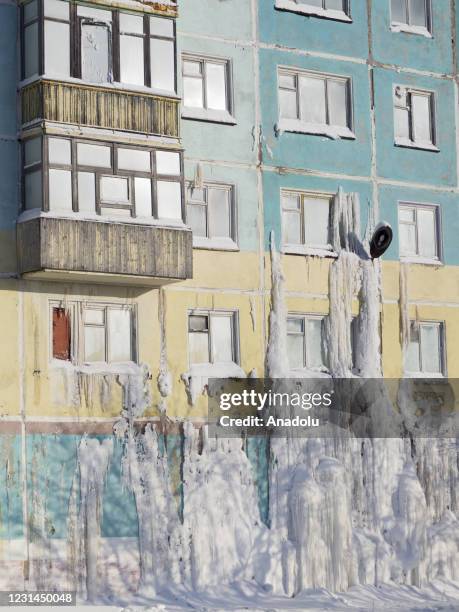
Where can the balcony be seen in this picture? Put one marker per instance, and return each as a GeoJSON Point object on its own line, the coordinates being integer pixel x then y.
{"type": "Point", "coordinates": [99, 106]}
{"type": "Point", "coordinates": [67, 249]}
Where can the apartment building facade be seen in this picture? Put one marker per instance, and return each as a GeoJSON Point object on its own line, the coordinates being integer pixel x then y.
{"type": "Point", "coordinates": [158, 154]}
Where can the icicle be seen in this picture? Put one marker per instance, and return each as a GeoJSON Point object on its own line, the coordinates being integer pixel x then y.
{"type": "Point", "coordinates": [93, 461]}
{"type": "Point", "coordinates": [164, 375]}
{"type": "Point", "coordinates": [198, 182]}
{"type": "Point", "coordinates": [368, 343]}
{"type": "Point", "coordinates": [344, 281]}
{"type": "Point", "coordinates": [403, 306]}
{"type": "Point", "coordinates": [277, 356]}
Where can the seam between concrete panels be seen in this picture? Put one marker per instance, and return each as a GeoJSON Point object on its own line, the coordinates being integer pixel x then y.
{"type": "Point", "coordinates": [322, 54]}
{"type": "Point", "coordinates": [284, 170]}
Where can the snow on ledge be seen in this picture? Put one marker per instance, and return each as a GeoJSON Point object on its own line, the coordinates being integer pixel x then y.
{"type": "Point", "coordinates": [335, 132]}
{"type": "Point", "coordinates": [411, 29]}
{"type": "Point", "coordinates": [217, 244]}
{"type": "Point", "coordinates": [115, 85]}
{"type": "Point", "coordinates": [306, 9]}
{"type": "Point", "coordinates": [423, 146]}
{"type": "Point", "coordinates": [423, 375]}
{"type": "Point", "coordinates": [426, 261]}
{"type": "Point", "coordinates": [204, 114]}
{"type": "Point", "coordinates": [298, 249]}
{"type": "Point", "coordinates": [35, 213]}
{"type": "Point", "coordinates": [98, 367]}
{"type": "Point", "coordinates": [198, 375]}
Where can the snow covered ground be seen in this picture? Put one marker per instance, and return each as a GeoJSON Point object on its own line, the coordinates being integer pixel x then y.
{"type": "Point", "coordinates": [440, 596]}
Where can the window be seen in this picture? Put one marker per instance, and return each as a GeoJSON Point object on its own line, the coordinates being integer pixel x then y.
{"type": "Point", "coordinates": [305, 341]}
{"type": "Point", "coordinates": [418, 228]}
{"type": "Point", "coordinates": [305, 220]}
{"type": "Point", "coordinates": [411, 15]}
{"type": "Point", "coordinates": [212, 337]}
{"type": "Point", "coordinates": [315, 103]}
{"type": "Point", "coordinates": [32, 155]}
{"type": "Point", "coordinates": [103, 333]}
{"type": "Point", "coordinates": [95, 42]}
{"type": "Point", "coordinates": [57, 37]}
{"type": "Point", "coordinates": [425, 352]}
{"type": "Point", "coordinates": [210, 212]}
{"type": "Point", "coordinates": [102, 179]}
{"type": "Point", "coordinates": [333, 9]}
{"type": "Point", "coordinates": [414, 118]}
{"type": "Point", "coordinates": [30, 39]}
{"type": "Point", "coordinates": [98, 45]}
{"type": "Point", "coordinates": [206, 86]}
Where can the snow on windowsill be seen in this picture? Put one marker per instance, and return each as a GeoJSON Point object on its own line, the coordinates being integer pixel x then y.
{"type": "Point", "coordinates": [98, 367]}
{"type": "Point", "coordinates": [424, 375]}
{"type": "Point", "coordinates": [214, 244]}
{"type": "Point", "coordinates": [212, 116]}
{"type": "Point", "coordinates": [197, 377]}
{"type": "Point", "coordinates": [295, 249]}
{"type": "Point", "coordinates": [35, 213]}
{"type": "Point", "coordinates": [306, 9]}
{"type": "Point", "coordinates": [411, 29]}
{"type": "Point", "coordinates": [426, 261]}
{"type": "Point", "coordinates": [115, 85]}
{"type": "Point", "coordinates": [423, 146]}
{"type": "Point", "coordinates": [330, 131]}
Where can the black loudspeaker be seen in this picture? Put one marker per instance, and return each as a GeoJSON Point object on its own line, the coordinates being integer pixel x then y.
{"type": "Point", "coordinates": [381, 239]}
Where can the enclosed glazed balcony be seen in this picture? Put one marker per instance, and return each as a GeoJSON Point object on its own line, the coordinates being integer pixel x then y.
{"type": "Point", "coordinates": [95, 209]}
{"type": "Point", "coordinates": [109, 65]}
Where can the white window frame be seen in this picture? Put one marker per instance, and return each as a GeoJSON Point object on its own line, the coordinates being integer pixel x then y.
{"type": "Point", "coordinates": [305, 8]}
{"type": "Point", "coordinates": [218, 243]}
{"type": "Point", "coordinates": [203, 113]}
{"type": "Point", "coordinates": [234, 317]}
{"type": "Point", "coordinates": [417, 257]}
{"type": "Point", "coordinates": [409, 28]}
{"type": "Point", "coordinates": [412, 141]}
{"type": "Point", "coordinates": [76, 312]}
{"type": "Point", "coordinates": [442, 350]}
{"type": "Point", "coordinates": [320, 129]}
{"type": "Point", "coordinates": [304, 317]}
{"type": "Point", "coordinates": [325, 250]}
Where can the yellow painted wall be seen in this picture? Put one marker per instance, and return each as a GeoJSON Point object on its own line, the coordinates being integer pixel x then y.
{"type": "Point", "coordinates": [222, 281]}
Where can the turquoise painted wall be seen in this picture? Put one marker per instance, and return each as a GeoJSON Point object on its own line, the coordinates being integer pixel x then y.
{"type": "Point", "coordinates": [274, 182]}
{"type": "Point", "coordinates": [413, 50]}
{"type": "Point", "coordinates": [11, 517]}
{"type": "Point", "coordinates": [305, 33]}
{"type": "Point", "coordinates": [312, 152]}
{"type": "Point", "coordinates": [389, 196]}
{"type": "Point", "coordinates": [407, 164]}
{"type": "Point", "coordinates": [244, 182]}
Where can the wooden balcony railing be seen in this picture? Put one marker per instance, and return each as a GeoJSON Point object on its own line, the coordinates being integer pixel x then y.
{"type": "Point", "coordinates": [96, 251]}
{"type": "Point", "coordinates": [99, 106]}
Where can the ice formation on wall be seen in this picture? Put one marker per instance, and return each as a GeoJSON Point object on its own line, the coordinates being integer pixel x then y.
{"type": "Point", "coordinates": [276, 354]}
{"type": "Point", "coordinates": [93, 461]}
{"type": "Point", "coordinates": [164, 375]}
{"type": "Point", "coordinates": [342, 511]}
